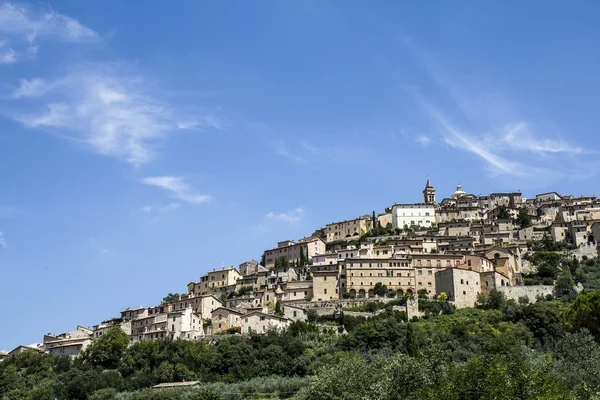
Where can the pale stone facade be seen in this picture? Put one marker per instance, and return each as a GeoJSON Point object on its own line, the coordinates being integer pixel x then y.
{"type": "Point", "coordinates": [259, 322]}
{"type": "Point", "coordinates": [298, 290]}
{"type": "Point", "coordinates": [294, 313]}
{"type": "Point", "coordinates": [461, 286]}
{"type": "Point", "coordinates": [213, 281]}
{"type": "Point", "coordinates": [225, 318]}
{"type": "Point", "coordinates": [69, 343]}
{"type": "Point", "coordinates": [325, 280]}
{"type": "Point", "coordinates": [347, 229]}
{"type": "Point", "coordinates": [385, 220]}
{"type": "Point", "coordinates": [361, 276]}
{"type": "Point", "coordinates": [291, 250]}
{"type": "Point", "coordinates": [102, 328]}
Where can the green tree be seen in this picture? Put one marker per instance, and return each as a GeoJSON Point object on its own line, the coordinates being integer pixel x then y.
{"type": "Point", "coordinates": [374, 221]}
{"type": "Point", "coordinates": [523, 219]}
{"type": "Point", "coordinates": [412, 344]}
{"type": "Point", "coordinates": [311, 315]}
{"type": "Point", "coordinates": [282, 262]}
{"type": "Point", "coordinates": [565, 282]}
{"type": "Point", "coordinates": [318, 233]}
{"type": "Point", "coordinates": [338, 380]}
{"type": "Point", "coordinates": [503, 213]}
{"type": "Point", "coordinates": [585, 313]}
{"type": "Point", "coordinates": [104, 394]}
{"type": "Point", "coordinates": [106, 351]}
{"type": "Point", "coordinates": [302, 259]}
{"type": "Point", "coordinates": [278, 310]}
{"type": "Point", "coordinates": [380, 289]}
{"type": "Point", "coordinates": [442, 296]}
{"type": "Point", "coordinates": [578, 358]}
{"type": "Point", "coordinates": [171, 297]}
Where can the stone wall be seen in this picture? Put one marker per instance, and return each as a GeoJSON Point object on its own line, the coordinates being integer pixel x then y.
{"type": "Point", "coordinates": [327, 307]}
{"type": "Point", "coordinates": [588, 250]}
{"type": "Point", "coordinates": [532, 292]}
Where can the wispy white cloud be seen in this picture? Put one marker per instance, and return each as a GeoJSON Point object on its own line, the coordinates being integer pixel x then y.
{"type": "Point", "coordinates": [291, 217]}
{"type": "Point", "coordinates": [107, 107]}
{"type": "Point", "coordinates": [25, 24]}
{"type": "Point", "coordinates": [483, 121]}
{"type": "Point", "coordinates": [3, 243]}
{"type": "Point", "coordinates": [519, 137]}
{"type": "Point", "coordinates": [424, 140]}
{"type": "Point", "coordinates": [163, 209]}
{"type": "Point", "coordinates": [280, 148]}
{"type": "Point", "coordinates": [310, 147]}
{"type": "Point", "coordinates": [7, 54]}
{"type": "Point", "coordinates": [178, 188]}
{"type": "Point", "coordinates": [31, 88]}
{"type": "Point", "coordinates": [461, 140]}
{"type": "Point", "coordinates": [107, 252]}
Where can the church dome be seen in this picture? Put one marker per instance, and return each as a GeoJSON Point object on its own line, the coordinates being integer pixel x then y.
{"type": "Point", "coordinates": [459, 192]}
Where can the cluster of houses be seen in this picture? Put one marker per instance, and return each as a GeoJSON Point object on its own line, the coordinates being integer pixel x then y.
{"type": "Point", "coordinates": [462, 246]}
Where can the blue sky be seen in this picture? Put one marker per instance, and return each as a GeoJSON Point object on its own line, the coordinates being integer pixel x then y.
{"type": "Point", "coordinates": [144, 146]}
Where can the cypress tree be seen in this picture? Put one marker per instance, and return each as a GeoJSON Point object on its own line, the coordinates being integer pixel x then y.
{"type": "Point", "coordinates": [412, 346]}
{"type": "Point", "coordinates": [374, 221]}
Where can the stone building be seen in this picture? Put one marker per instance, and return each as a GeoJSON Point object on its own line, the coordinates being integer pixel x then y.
{"type": "Point", "coordinates": [69, 343]}
{"type": "Point", "coordinates": [326, 282]}
{"type": "Point", "coordinates": [291, 250]}
{"type": "Point", "coordinates": [259, 322]}
{"type": "Point", "coordinates": [215, 280]}
{"type": "Point", "coordinates": [225, 318]}
{"type": "Point", "coordinates": [429, 193]}
{"type": "Point", "coordinates": [462, 286]}
{"type": "Point", "coordinates": [347, 229]}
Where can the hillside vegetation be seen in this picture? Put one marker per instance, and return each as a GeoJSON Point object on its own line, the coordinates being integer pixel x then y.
{"type": "Point", "coordinates": [500, 350]}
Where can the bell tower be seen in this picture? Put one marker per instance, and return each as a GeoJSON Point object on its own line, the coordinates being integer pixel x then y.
{"type": "Point", "coordinates": [429, 193]}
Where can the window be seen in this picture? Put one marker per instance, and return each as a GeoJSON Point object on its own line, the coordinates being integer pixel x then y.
{"type": "Point", "coordinates": [420, 272]}
{"type": "Point", "coordinates": [262, 318]}
{"type": "Point", "coordinates": [430, 272]}
{"type": "Point", "coordinates": [324, 278]}
{"type": "Point", "coordinates": [295, 313]}
{"type": "Point", "coordinates": [462, 282]}
{"type": "Point", "coordinates": [324, 291]}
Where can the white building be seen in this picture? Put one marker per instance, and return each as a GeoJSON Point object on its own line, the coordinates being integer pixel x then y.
{"type": "Point", "coordinates": [413, 215]}
{"type": "Point", "coordinates": [185, 324]}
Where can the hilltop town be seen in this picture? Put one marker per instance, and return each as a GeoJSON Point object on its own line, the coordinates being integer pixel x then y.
{"type": "Point", "coordinates": [453, 251]}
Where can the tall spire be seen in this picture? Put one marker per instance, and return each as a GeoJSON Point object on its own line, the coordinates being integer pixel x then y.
{"type": "Point", "coordinates": [429, 193]}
